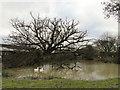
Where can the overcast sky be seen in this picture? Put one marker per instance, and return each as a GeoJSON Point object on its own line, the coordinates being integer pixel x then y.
{"type": "Point", "coordinates": [88, 12]}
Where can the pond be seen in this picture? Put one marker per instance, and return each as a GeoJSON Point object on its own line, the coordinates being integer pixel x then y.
{"type": "Point", "coordinates": [87, 71]}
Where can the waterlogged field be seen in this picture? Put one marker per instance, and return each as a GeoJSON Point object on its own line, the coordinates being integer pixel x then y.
{"type": "Point", "coordinates": [89, 75]}
{"type": "Point", "coordinates": [87, 71]}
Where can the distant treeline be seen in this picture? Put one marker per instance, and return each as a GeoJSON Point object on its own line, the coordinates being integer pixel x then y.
{"type": "Point", "coordinates": [19, 58]}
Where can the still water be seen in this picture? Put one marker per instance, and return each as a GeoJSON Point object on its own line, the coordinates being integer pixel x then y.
{"type": "Point", "coordinates": [87, 71]}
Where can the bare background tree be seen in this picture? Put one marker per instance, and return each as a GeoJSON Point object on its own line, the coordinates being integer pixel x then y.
{"type": "Point", "coordinates": [107, 44]}
{"type": "Point", "coordinates": [112, 8]}
{"type": "Point", "coordinates": [46, 34]}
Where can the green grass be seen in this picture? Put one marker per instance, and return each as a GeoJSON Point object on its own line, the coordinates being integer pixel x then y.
{"type": "Point", "coordinates": [58, 83]}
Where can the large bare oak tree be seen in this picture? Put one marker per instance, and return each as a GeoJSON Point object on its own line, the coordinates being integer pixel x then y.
{"type": "Point", "coordinates": [46, 34]}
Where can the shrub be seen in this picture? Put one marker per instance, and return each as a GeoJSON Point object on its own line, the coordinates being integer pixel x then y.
{"type": "Point", "coordinates": [6, 74]}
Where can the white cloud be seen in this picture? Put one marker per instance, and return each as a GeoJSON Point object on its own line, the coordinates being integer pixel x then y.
{"type": "Point", "coordinates": [88, 12]}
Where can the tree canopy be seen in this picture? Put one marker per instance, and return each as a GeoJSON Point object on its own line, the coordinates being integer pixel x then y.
{"type": "Point", "coordinates": [46, 34]}
{"type": "Point", "coordinates": [112, 8]}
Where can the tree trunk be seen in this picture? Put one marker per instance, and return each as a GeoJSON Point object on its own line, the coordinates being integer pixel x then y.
{"type": "Point", "coordinates": [48, 51]}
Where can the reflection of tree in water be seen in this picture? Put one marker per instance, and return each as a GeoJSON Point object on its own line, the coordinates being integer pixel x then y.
{"type": "Point", "coordinates": [67, 66]}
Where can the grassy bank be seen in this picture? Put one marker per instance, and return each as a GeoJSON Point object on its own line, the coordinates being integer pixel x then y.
{"type": "Point", "coordinates": [59, 83]}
